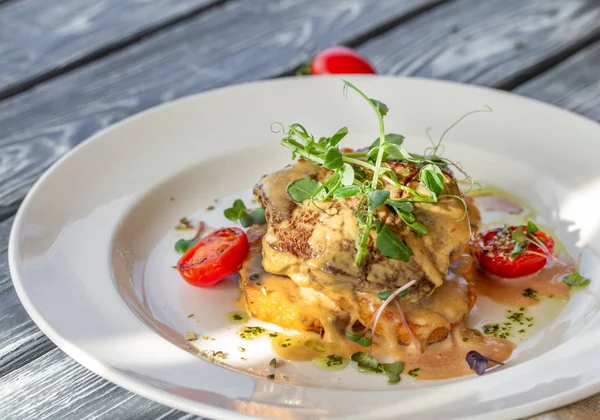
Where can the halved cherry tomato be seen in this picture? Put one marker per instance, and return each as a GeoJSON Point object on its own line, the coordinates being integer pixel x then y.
{"type": "Point", "coordinates": [214, 257]}
{"type": "Point", "coordinates": [497, 245]}
{"type": "Point", "coordinates": [339, 60]}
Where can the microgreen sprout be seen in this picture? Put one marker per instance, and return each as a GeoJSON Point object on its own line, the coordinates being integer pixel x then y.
{"type": "Point", "coordinates": [537, 242]}
{"type": "Point", "coordinates": [367, 363]}
{"type": "Point", "coordinates": [388, 301]}
{"type": "Point", "coordinates": [239, 212]}
{"type": "Point", "coordinates": [411, 335]}
{"type": "Point", "coordinates": [523, 236]}
{"type": "Point", "coordinates": [478, 362]}
{"type": "Point", "coordinates": [368, 176]}
{"type": "Point", "coordinates": [387, 293]}
{"type": "Point", "coordinates": [183, 245]}
{"type": "Point", "coordinates": [439, 143]}
{"type": "Point", "coordinates": [575, 278]}
{"type": "Point", "coordinates": [360, 338]}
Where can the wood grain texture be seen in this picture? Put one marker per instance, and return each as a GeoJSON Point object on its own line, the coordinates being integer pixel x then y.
{"type": "Point", "coordinates": [20, 340]}
{"type": "Point", "coordinates": [37, 128]}
{"type": "Point", "coordinates": [493, 42]}
{"type": "Point", "coordinates": [240, 41]}
{"type": "Point", "coordinates": [244, 41]}
{"type": "Point", "coordinates": [58, 387]}
{"type": "Point", "coordinates": [217, 48]}
{"type": "Point", "coordinates": [40, 36]}
{"type": "Point", "coordinates": [54, 386]}
{"type": "Point", "coordinates": [574, 84]}
{"type": "Point", "coordinates": [227, 38]}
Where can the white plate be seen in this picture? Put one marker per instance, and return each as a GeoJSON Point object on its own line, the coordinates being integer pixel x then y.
{"type": "Point", "coordinates": [91, 247]}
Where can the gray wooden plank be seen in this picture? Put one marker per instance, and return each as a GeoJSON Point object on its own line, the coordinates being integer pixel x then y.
{"type": "Point", "coordinates": [37, 128]}
{"type": "Point", "coordinates": [584, 82]}
{"type": "Point", "coordinates": [574, 84]}
{"type": "Point", "coordinates": [20, 340]}
{"type": "Point", "coordinates": [54, 386]}
{"type": "Point", "coordinates": [38, 37]}
{"type": "Point", "coordinates": [242, 40]}
{"type": "Point", "coordinates": [82, 395]}
{"type": "Point", "coordinates": [494, 43]}
{"type": "Point", "coordinates": [266, 25]}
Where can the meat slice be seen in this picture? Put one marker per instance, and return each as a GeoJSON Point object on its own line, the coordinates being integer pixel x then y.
{"type": "Point", "coordinates": [313, 243]}
{"type": "Point", "coordinates": [281, 301]}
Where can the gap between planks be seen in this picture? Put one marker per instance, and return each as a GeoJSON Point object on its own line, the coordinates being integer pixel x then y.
{"type": "Point", "coordinates": [114, 47]}
{"type": "Point", "coordinates": [509, 84]}
{"type": "Point", "coordinates": [12, 357]}
{"type": "Point", "coordinates": [105, 50]}
{"type": "Point", "coordinates": [375, 32]}
{"type": "Point", "coordinates": [549, 63]}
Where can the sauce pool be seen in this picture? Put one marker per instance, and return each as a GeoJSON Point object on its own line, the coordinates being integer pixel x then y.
{"type": "Point", "coordinates": [526, 291]}
{"type": "Point", "coordinates": [331, 351]}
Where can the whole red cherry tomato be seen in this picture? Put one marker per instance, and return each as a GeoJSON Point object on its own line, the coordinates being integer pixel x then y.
{"type": "Point", "coordinates": [338, 60]}
{"type": "Point", "coordinates": [498, 244]}
{"type": "Point", "coordinates": [214, 257]}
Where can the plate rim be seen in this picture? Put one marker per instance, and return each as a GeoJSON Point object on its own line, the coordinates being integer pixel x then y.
{"type": "Point", "coordinates": [157, 394]}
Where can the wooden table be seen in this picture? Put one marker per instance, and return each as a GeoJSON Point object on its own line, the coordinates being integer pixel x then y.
{"type": "Point", "coordinates": [69, 68]}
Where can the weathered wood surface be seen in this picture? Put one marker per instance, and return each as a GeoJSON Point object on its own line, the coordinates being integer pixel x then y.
{"type": "Point", "coordinates": [242, 40]}
{"type": "Point", "coordinates": [574, 84]}
{"type": "Point", "coordinates": [81, 394]}
{"type": "Point", "coordinates": [47, 125]}
{"type": "Point", "coordinates": [55, 387]}
{"type": "Point", "coordinates": [40, 37]}
{"type": "Point", "coordinates": [20, 340]}
{"type": "Point", "coordinates": [496, 43]}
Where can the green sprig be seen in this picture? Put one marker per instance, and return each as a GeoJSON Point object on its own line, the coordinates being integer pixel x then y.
{"type": "Point", "coordinates": [349, 178]}
{"type": "Point", "coordinates": [239, 212]}
{"type": "Point", "coordinates": [367, 363]}
{"type": "Point", "coordinates": [576, 279]}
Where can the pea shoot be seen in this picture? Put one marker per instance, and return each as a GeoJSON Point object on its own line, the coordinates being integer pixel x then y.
{"type": "Point", "coordinates": [576, 279]}
{"type": "Point", "coordinates": [183, 245]}
{"type": "Point", "coordinates": [367, 363]}
{"type": "Point", "coordinates": [239, 212]}
{"type": "Point", "coordinates": [368, 176]}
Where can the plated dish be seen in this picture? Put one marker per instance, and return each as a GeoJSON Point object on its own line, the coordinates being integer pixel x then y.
{"type": "Point", "coordinates": [376, 256]}
{"type": "Point", "coordinates": [119, 305]}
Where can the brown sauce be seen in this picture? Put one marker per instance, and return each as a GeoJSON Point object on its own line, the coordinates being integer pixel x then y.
{"type": "Point", "coordinates": [442, 360]}
{"type": "Point", "coordinates": [446, 359]}
{"type": "Point", "coordinates": [526, 291]}
{"type": "Point", "coordinates": [297, 309]}
{"type": "Point", "coordinates": [305, 308]}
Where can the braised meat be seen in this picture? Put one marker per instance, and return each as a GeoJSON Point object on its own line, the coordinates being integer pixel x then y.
{"type": "Point", "coordinates": [314, 242]}
{"type": "Point", "coordinates": [279, 300]}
